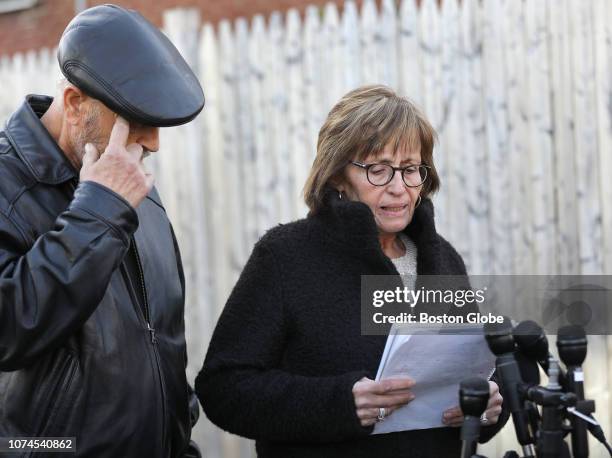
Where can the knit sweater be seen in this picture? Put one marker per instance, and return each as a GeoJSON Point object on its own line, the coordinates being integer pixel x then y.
{"type": "Point", "coordinates": [407, 263]}
{"type": "Point", "coordinates": [288, 347]}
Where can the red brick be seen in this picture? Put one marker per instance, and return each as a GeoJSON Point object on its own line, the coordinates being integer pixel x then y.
{"type": "Point", "coordinates": [42, 25]}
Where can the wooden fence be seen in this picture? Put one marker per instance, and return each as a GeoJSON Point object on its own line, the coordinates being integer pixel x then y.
{"type": "Point", "coordinates": [520, 92]}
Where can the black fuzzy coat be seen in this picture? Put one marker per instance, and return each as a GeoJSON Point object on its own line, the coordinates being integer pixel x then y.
{"type": "Point", "coordinates": [288, 348]}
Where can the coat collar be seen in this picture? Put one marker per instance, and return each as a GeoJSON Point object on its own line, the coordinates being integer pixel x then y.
{"type": "Point", "coordinates": [351, 226]}
{"type": "Point", "coordinates": [34, 145]}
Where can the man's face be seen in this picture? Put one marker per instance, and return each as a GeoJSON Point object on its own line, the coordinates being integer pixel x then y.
{"type": "Point", "coordinates": [96, 126]}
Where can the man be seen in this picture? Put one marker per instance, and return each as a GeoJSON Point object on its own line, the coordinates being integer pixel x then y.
{"type": "Point", "coordinates": [92, 339]}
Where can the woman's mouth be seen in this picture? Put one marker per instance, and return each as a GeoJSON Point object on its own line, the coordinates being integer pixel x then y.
{"type": "Point", "coordinates": [394, 210]}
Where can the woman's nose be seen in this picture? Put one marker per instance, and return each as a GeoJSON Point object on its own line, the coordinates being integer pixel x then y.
{"type": "Point", "coordinates": [396, 185]}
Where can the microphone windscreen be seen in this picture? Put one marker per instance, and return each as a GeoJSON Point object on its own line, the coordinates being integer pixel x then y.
{"type": "Point", "coordinates": [473, 396]}
{"type": "Point", "coordinates": [499, 337]}
{"type": "Point", "coordinates": [572, 345]}
{"type": "Point", "coordinates": [571, 333]}
{"type": "Point", "coordinates": [531, 340]}
{"type": "Point", "coordinates": [528, 367]}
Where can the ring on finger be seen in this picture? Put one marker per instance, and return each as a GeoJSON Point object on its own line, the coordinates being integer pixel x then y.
{"type": "Point", "coordinates": [483, 419]}
{"type": "Point", "coordinates": [382, 413]}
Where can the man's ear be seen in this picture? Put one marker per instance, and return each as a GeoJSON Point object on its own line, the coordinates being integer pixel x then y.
{"type": "Point", "coordinates": [74, 106]}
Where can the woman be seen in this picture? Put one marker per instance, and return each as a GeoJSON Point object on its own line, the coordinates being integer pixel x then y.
{"type": "Point", "coordinates": [287, 364]}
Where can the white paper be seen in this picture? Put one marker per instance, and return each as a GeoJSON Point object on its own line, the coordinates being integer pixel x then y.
{"type": "Point", "coordinates": [437, 363]}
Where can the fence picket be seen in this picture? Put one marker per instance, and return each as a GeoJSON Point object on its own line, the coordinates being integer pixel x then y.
{"type": "Point", "coordinates": [518, 90]}
{"type": "Point", "coordinates": [410, 72]}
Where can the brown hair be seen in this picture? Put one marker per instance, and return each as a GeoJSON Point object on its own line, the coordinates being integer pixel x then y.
{"type": "Point", "coordinates": [362, 123]}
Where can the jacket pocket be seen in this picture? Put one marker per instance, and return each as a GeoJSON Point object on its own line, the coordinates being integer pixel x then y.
{"type": "Point", "coordinates": [57, 395]}
{"type": "Point", "coordinates": [42, 399]}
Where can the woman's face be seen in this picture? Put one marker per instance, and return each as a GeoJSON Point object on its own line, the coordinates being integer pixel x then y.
{"type": "Point", "coordinates": [392, 204]}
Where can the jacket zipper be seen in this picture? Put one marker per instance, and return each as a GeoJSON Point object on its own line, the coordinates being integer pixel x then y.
{"type": "Point", "coordinates": [147, 319]}
{"type": "Point", "coordinates": [151, 330]}
{"type": "Point", "coordinates": [147, 316]}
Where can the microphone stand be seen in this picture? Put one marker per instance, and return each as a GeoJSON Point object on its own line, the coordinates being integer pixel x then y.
{"type": "Point", "coordinates": [563, 397]}
{"type": "Point", "coordinates": [554, 402]}
{"type": "Point", "coordinates": [572, 346]}
{"type": "Point", "coordinates": [501, 342]}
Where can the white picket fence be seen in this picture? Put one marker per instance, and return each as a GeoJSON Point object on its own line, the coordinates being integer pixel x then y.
{"type": "Point", "coordinates": [520, 92]}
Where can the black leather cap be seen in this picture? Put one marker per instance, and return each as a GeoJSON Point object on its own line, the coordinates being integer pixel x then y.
{"type": "Point", "coordinates": [118, 57]}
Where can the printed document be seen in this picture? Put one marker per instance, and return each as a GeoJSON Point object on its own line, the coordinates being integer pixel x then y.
{"type": "Point", "coordinates": [437, 363]}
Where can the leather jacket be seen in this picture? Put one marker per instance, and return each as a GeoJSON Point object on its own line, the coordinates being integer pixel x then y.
{"type": "Point", "coordinates": [92, 341]}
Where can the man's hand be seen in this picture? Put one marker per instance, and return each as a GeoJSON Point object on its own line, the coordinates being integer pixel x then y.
{"type": "Point", "coordinates": [120, 167]}
{"type": "Point", "coordinates": [454, 416]}
{"type": "Point", "coordinates": [371, 396]}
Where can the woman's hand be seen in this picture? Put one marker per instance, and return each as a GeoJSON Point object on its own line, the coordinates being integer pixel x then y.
{"type": "Point", "coordinates": [454, 416]}
{"type": "Point", "coordinates": [371, 397]}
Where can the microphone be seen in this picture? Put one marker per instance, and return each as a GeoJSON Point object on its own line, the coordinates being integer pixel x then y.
{"type": "Point", "coordinates": [532, 343]}
{"type": "Point", "coordinates": [533, 350]}
{"type": "Point", "coordinates": [473, 399]}
{"type": "Point", "coordinates": [528, 368]}
{"type": "Point", "coordinates": [501, 342]}
{"type": "Point", "coordinates": [572, 346]}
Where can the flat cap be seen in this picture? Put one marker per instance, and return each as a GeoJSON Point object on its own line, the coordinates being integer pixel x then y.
{"type": "Point", "coordinates": [118, 57]}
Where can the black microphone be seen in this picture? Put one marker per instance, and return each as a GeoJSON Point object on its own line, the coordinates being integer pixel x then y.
{"type": "Point", "coordinates": [572, 346]}
{"type": "Point", "coordinates": [532, 346]}
{"type": "Point", "coordinates": [532, 343]}
{"type": "Point", "coordinates": [528, 368]}
{"type": "Point", "coordinates": [501, 342]}
{"type": "Point", "coordinates": [473, 399]}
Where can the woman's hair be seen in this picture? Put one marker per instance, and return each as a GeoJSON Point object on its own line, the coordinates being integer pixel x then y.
{"type": "Point", "coordinates": [362, 123]}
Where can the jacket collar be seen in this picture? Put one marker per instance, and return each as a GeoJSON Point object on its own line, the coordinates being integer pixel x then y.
{"type": "Point", "coordinates": [34, 145]}
{"type": "Point", "coordinates": [351, 226]}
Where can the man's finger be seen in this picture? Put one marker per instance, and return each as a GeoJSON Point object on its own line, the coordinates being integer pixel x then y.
{"type": "Point", "coordinates": [150, 181]}
{"type": "Point", "coordinates": [135, 150]}
{"type": "Point", "coordinates": [119, 134]}
{"type": "Point", "coordinates": [91, 155]}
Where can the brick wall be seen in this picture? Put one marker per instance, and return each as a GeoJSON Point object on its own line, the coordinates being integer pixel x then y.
{"type": "Point", "coordinates": [36, 27]}
{"type": "Point", "coordinates": [42, 25]}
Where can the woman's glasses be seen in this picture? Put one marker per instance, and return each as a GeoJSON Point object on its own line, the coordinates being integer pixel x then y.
{"type": "Point", "coordinates": [382, 174]}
